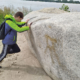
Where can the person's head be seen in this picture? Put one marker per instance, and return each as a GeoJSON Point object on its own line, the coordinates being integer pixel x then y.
{"type": "Point", "coordinates": [18, 16]}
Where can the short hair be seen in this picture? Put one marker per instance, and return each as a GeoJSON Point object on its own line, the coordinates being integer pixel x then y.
{"type": "Point", "coordinates": [19, 14]}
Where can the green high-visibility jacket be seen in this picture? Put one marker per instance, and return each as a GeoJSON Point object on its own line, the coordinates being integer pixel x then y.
{"type": "Point", "coordinates": [15, 27]}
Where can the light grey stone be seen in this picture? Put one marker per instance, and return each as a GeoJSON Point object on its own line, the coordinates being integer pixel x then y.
{"type": "Point", "coordinates": [55, 40]}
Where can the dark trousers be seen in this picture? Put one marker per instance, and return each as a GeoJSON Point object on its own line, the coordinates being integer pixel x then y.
{"type": "Point", "coordinates": [9, 49]}
{"type": "Point", "coordinates": [13, 49]}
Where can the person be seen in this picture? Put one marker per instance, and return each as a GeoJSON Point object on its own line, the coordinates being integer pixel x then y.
{"type": "Point", "coordinates": [14, 24]}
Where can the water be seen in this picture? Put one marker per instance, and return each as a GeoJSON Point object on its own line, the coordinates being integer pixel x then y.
{"type": "Point", "coordinates": [36, 5]}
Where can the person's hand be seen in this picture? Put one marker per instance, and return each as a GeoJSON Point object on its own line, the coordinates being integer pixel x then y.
{"type": "Point", "coordinates": [30, 24]}
{"type": "Point", "coordinates": [27, 21]}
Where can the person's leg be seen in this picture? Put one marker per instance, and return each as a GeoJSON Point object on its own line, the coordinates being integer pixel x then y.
{"type": "Point", "coordinates": [14, 49]}
{"type": "Point", "coordinates": [4, 52]}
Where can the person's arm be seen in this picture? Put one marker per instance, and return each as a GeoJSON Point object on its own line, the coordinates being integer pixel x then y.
{"type": "Point", "coordinates": [20, 24]}
{"type": "Point", "coordinates": [16, 27]}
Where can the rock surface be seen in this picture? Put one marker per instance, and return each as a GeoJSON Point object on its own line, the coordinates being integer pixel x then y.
{"type": "Point", "coordinates": [55, 40]}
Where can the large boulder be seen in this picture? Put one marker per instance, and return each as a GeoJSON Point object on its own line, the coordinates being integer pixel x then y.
{"type": "Point", "coordinates": [54, 38]}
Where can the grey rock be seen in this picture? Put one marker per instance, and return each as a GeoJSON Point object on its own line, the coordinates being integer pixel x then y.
{"type": "Point", "coordinates": [55, 40]}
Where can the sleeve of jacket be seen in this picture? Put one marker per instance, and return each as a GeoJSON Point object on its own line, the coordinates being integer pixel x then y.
{"type": "Point", "coordinates": [16, 27]}
{"type": "Point", "coordinates": [20, 24]}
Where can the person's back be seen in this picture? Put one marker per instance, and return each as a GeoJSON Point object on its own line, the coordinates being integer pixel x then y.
{"type": "Point", "coordinates": [9, 42]}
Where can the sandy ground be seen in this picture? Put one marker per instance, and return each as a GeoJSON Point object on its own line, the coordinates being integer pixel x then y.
{"type": "Point", "coordinates": [22, 65]}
